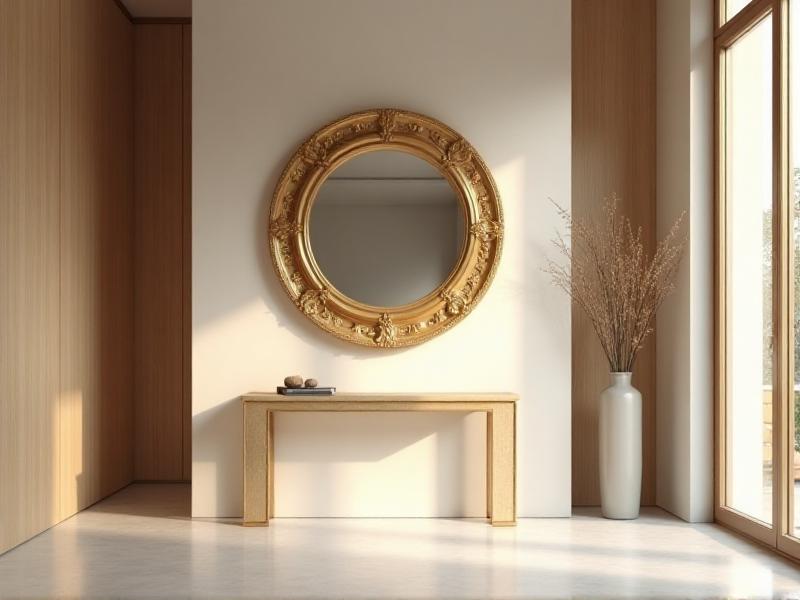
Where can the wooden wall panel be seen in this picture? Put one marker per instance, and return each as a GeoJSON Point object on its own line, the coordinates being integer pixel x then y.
{"type": "Point", "coordinates": [28, 268]}
{"type": "Point", "coordinates": [186, 199]}
{"type": "Point", "coordinates": [65, 259]}
{"type": "Point", "coordinates": [96, 251]}
{"type": "Point", "coordinates": [159, 405]}
{"type": "Point", "coordinates": [613, 151]}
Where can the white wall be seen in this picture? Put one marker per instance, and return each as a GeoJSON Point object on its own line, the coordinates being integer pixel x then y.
{"type": "Point", "coordinates": [684, 412]}
{"type": "Point", "coordinates": [265, 76]}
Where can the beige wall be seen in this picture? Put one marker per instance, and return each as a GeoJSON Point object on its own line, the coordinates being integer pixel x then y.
{"type": "Point", "coordinates": [65, 260]}
{"type": "Point", "coordinates": [266, 75]}
{"type": "Point", "coordinates": [685, 369]}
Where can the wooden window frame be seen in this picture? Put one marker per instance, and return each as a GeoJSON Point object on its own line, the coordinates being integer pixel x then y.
{"type": "Point", "coordinates": [726, 33]}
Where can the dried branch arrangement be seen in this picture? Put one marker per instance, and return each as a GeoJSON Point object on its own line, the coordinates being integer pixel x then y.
{"type": "Point", "coordinates": [608, 274]}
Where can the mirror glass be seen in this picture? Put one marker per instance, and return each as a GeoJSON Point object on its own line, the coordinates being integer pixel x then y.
{"type": "Point", "coordinates": [386, 228]}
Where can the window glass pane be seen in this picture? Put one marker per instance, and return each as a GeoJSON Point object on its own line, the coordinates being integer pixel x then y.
{"type": "Point", "coordinates": [734, 6]}
{"type": "Point", "coordinates": [748, 168]}
{"type": "Point", "coordinates": [794, 196]}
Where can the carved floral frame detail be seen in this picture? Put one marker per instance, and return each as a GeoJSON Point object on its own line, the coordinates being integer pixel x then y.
{"type": "Point", "coordinates": [301, 276]}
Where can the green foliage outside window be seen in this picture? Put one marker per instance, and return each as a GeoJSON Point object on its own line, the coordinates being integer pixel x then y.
{"type": "Point", "coordinates": [767, 298]}
{"type": "Point", "coordinates": [797, 421]}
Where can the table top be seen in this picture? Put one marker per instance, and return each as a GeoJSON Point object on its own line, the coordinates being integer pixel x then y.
{"type": "Point", "coordinates": [363, 397]}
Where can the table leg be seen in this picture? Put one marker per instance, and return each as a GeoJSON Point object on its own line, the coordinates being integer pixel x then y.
{"type": "Point", "coordinates": [501, 463]}
{"type": "Point", "coordinates": [489, 464]}
{"type": "Point", "coordinates": [257, 481]}
{"type": "Point", "coordinates": [271, 465]}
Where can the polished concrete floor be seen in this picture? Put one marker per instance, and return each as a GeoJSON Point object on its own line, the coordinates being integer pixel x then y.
{"type": "Point", "coordinates": [140, 543]}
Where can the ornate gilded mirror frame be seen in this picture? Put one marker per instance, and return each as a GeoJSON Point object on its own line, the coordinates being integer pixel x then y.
{"type": "Point", "coordinates": [290, 247]}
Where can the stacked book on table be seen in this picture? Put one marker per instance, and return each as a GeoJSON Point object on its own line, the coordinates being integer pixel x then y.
{"type": "Point", "coordinates": [304, 391]}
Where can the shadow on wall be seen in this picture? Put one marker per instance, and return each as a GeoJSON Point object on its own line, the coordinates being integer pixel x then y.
{"type": "Point", "coordinates": [214, 458]}
{"type": "Point", "coordinates": [517, 117]}
{"type": "Point", "coordinates": [276, 301]}
{"type": "Point", "coordinates": [96, 358]}
{"type": "Point", "coordinates": [381, 436]}
{"type": "Point", "coordinates": [378, 435]}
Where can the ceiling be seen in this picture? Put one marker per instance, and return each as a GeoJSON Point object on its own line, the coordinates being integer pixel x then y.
{"type": "Point", "coordinates": [159, 8]}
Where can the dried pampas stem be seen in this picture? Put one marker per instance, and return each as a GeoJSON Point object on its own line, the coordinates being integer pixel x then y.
{"type": "Point", "coordinates": [608, 274]}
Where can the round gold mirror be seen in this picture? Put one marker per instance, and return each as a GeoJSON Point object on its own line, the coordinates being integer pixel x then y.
{"type": "Point", "coordinates": [385, 228]}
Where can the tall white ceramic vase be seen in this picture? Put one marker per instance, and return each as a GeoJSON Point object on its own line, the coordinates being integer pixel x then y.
{"type": "Point", "coordinates": [620, 448]}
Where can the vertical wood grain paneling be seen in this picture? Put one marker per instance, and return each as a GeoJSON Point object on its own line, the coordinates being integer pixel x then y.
{"type": "Point", "coordinates": [613, 151]}
{"type": "Point", "coordinates": [159, 269]}
{"type": "Point", "coordinates": [29, 115]}
{"type": "Point", "coordinates": [65, 259]}
{"type": "Point", "coordinates": [187, 251]}
{"type": "Point", "coordinates": [96, 251]}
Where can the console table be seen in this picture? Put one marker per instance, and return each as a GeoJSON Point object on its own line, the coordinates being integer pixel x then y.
{"type": "Point", "coordinates": [501, 426]}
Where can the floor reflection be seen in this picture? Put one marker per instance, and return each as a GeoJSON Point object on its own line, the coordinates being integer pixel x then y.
{"type": "Point", "coordinates": [141, 543]}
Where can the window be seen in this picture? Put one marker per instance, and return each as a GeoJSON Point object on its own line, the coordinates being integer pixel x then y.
{"type": "Point", "coordinates": [758, 270]}
{"type": "Point", "coordinates": [732, 8]}
{"type": "Point", "coordinates": [793, 412]}
{"type": "Point", "coordinates": [748, 157]}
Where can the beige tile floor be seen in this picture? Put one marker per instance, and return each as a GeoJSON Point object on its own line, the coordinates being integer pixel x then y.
{"type": "Point", "coordinates": [140, 543]}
